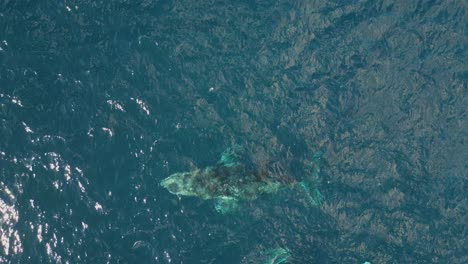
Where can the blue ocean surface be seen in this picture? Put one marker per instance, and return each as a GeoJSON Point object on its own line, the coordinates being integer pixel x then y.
{"type": "Point", "coordinates": [102, 100]}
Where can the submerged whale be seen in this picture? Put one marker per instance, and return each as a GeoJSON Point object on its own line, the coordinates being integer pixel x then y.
{"type": "Point", "coordinates": [234, 178]}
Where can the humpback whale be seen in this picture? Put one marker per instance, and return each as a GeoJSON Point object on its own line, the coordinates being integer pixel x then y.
{"type": "Point", "coordinates": [234, 178]}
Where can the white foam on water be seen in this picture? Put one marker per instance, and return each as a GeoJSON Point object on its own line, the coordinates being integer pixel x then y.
{"type": "Point", "coordinates": [10, 242]}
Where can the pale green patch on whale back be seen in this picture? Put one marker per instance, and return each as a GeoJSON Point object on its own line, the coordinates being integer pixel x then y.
{"type": "Point", "coordinates": [272, 187]}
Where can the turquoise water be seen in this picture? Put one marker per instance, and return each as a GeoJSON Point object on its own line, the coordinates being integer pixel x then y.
{"type": "Point", "coordinates": [101, 100]}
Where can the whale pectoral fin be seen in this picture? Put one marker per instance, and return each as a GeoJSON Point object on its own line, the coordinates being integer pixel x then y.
{"type": "Point", "coordinates": [232, 156]}
{"type": "Point", "coordinates": [226, 205]}
{"type": "Point", "coordinates": [277, 256]}
{"type": "Point", "coordinates": [313, 195]}
{"type": "Point", "coordinates": [311, 181]}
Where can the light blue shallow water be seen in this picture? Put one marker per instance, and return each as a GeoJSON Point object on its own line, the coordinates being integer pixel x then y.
{"type": "Point", "coordinates": [101, 100]}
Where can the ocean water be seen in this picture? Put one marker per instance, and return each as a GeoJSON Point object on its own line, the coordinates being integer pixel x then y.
{"type": "Point", "coordinates": [101, 100]}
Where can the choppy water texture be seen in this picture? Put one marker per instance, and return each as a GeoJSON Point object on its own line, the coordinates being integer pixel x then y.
{"type": "Point", "coordinates": [101, 100]}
